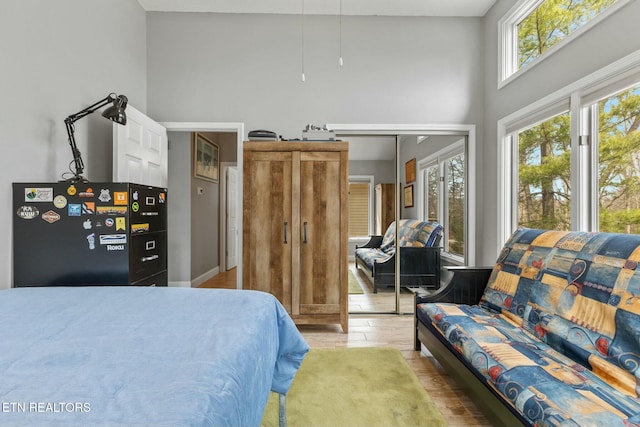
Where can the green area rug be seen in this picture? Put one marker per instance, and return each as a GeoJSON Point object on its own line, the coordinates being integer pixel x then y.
{"type": "Point", "coordinates": [354, 286]}
{"type": "Point", "coordinates": [355, 387]}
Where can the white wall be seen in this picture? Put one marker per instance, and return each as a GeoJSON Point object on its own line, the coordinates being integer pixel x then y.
{"type": "Point", "coordinates": [612, 39]}
{"type": "Point", "coordinates": [59, 57]}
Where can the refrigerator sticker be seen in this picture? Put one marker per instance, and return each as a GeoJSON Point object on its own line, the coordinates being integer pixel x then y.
{"type": "Point", "coordinates": [139, 228]}
{"type": "Point", "coordinates": [161, 198]}
{"type": "Point", "coordinates": [91, 239]}
{"type": "Point", "coordinates": [75, 209]}
{"type": "Point", "coordinates": [27, 212]}
{"type": "Point", "coordinates": [105, 195]}
{"type": "Point", "coordinates": [88, 208]}
{"type": "Point", "coordinates": [151, 201]}
{"type": "Point", "coordinates": [120, 223]}
{"type": "Point", "coordinates": [113, 239]}
{"type": "Point", "coordinates": [72, 190]}
{"type": "Point", "coordinates": [120, 198]}
{"type": "Point", "coordinates": [111, 210]}
{"type": "Point", "coordinates": [50, 216]}
{"type": "Point", "coordinates": [135, 206]}
{"type": "Point", "coordinates": [87, 193]}
{"type": "Point", "coordinates": [87, 225]}
{"type": "Point", "coordinates": [135, 195]}
{"type": "Point", "coordinates": [108, 222]}
{"type": "Point", "coordinates": [60, 201]}
{"type": "Point", "coordinates": [38, 194]}
{"type": "Point", "coordinates": [115, 247]}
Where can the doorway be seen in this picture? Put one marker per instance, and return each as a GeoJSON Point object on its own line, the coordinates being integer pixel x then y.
{"type": "Point", "coordinates": [181, 189]}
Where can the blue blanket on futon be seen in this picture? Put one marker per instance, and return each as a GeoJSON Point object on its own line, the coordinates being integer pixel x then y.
{"type": "Point", "coordinates": [138, 356]}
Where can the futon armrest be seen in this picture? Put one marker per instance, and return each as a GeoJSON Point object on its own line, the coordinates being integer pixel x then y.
{"type": "Point", "coordinates": [374, 242]}
{"type": "Point", "coordinates": [466, 286]}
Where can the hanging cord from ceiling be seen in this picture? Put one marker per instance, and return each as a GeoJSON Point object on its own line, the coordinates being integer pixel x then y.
{"type": "Point", "coordinates": [302, 39]}
{"type": "Point", "coordinates": [340, 60]}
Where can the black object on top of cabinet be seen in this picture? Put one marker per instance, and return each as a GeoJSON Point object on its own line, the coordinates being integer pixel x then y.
{"type": "Point", "coordinates": [89, 234]}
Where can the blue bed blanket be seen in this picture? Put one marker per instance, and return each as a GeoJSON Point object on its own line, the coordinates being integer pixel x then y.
{"type": "Point", "coordinates": [137, 356]}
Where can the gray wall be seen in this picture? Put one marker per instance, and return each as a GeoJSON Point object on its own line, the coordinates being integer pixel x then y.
{"type": "Point", "coordinates": [612, 39]}
{"type": "Point", "coordinates": [179, 208]}
{"type": "Point", "coordinates": [383, 171]}
{"type": "Point", "coordinates": [194, 219]}
{"type": "Point", "coordinates": [57, 59]}
{"type": "Point", "coordinates": [247, 68]}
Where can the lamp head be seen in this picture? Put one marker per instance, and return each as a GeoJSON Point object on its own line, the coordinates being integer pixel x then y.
{"type": "Point", "coordinates": [115, 112]}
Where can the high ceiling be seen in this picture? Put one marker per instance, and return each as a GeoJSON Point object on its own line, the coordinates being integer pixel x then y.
{"type": "Point", "coordinates": [327, 7]}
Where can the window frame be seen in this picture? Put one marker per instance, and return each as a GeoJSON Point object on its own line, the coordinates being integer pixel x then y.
{"type": "Point", "coordinates": [580, 97]}
{"type": "Point", "coordinates": [508, 69]}
{"type": "Point", "coordinates": [369, 179]}
{"type": "Point", "coordinates": [440, 159]}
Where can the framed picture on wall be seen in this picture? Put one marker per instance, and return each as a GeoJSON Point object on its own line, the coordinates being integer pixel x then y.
{"type": "Point", "coordinates": [408, 196]}
{"type": "Point", "coordinates": [206, 158]}
{"type": "Point", "coordinates": [410, 170]}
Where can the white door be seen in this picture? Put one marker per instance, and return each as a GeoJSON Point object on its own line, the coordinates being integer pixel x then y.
{"type": "Point", "coordinates": [140, 150]}
{"type": "Point", "coordinates": [232, 217]}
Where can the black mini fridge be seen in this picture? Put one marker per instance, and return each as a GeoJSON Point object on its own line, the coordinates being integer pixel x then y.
{"type": "Point", "coordinates": [89, 234]}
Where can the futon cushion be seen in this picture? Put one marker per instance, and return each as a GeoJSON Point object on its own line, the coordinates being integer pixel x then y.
{"type": "Point", "coordinates": [578, 292]}
{"type": "Point", "coordinates": [411, 232]}
{"type": "Point", "coordinates": [369, 256]}
{"type": "Point", "coordinates": [545, 386]}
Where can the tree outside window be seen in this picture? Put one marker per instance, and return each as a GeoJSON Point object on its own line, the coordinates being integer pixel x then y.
{"type": "Point", "coordinates": [455, 181]}
{"type": "Point", "coordinates": [553, 21]}
{"type": "Point", "coordinates": [544, 175]}
{"type": "Point", "coordinates": [619, 162]}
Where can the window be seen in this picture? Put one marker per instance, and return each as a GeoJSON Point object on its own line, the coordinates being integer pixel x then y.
{"type": "Point", "coordinates": [544, 174]}
{"type": "Point", "coordinates": [572, 159]}
{"type": "Point", "coordinates": [533, 29]}
{"type": "Point", "coordinates": [360, 212]}
{"type": "Point", "coordinates": [618, 176]}
{"type": "Point", "coordinates": [455, 187]}
{"type": "Point", "coordinates": [443, 189]}
{"type": "Point", "coordinates": [431, 184]}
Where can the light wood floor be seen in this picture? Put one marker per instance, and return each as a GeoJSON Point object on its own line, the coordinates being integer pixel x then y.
{"type": "Point", "coordinates": [388, 330]}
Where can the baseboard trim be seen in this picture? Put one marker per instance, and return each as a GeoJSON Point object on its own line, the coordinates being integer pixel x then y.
{"type": "Point", "coordinates": [179, 284]}
{"type": "Point", "coordinates": [204, 277]}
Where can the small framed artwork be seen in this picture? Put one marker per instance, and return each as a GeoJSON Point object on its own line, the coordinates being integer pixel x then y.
{"type": "Point", "coordinates": [206, 158]}
{"type": "Point", "coordinates": [408, 196]}
{"type": "Point", "coordinates": [410, 170]}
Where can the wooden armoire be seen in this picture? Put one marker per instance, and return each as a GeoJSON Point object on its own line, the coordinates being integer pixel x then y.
{"type": "Point", "coordinates": [295, 227]}
{"type": "Point", "coordinates": [385, 212]}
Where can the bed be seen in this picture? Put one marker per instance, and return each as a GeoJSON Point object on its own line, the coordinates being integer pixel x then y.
{"type": "Point", "coordinates": [142, 356]}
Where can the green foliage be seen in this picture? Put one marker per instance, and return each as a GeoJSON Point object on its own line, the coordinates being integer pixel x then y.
{"type": "Point", "coordinates": [551, 22]}
{"type": "Point", "coordinates": [619, 162]}
{"type": "Point", "coordinates": [544, 171]}
{"type": "Point", "coordinates": [544, 174]}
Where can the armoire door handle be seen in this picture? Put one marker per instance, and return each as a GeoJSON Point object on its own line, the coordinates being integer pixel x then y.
{"type": "Point", "coordinates": [285, 232]}
{"type": "Point", "coordinates": [305, 232]}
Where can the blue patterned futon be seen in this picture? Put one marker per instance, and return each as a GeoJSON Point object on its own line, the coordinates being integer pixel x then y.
{"type": "Point", "coordinates": [556, 333]}
{"type": "Point", "coordinates": [419, 254]}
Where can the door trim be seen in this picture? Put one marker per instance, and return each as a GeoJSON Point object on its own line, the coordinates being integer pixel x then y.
{"type": "Point", "coordinates": [223, 213]}
{"type": "Point", "coordinates": [238, 128]}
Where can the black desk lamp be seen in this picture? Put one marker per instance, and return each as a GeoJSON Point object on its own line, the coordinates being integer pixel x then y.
{"type": "Point", "coordinates": [115, 113]}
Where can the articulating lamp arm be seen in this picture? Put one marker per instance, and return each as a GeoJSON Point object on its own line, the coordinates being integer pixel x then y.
{"type": "Point", "coordinates": [69, 121]}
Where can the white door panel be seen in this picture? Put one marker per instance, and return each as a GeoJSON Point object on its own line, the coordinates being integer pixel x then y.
{"type": "Point", "coordinates": [140, 150]}
{"type": "Point", "coordinates": [232, 218]}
